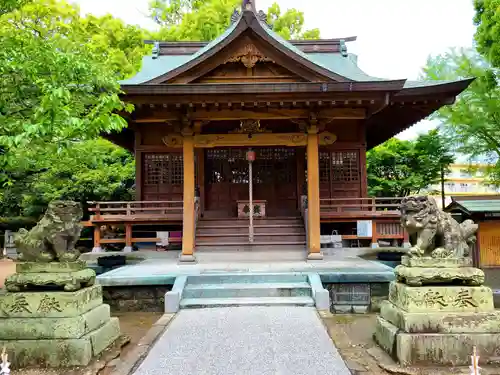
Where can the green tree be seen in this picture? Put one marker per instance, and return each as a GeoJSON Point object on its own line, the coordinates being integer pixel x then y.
{"type": "Point", "coordinates": [487, 20]}
{"type": "Point", "coordinates": [472, 124]}
{"type": "Point", "coordinates": [59, 88]}
{"type": "Point", "coordinates": [398, 168]}
{"type": "Point", "coordinates": [89, 170]}
{"type": "Point", "coordinates": [184, 20]}
{"type": "Point", "coordinates": [60, 73]}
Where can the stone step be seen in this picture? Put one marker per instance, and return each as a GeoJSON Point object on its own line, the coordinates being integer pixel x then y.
{"type": "Point", "coordinates": [244, 245]}
{"type": "Point", "coordinates": [277, 238]}
{"type": "Point", "coordinates": [232, 290]}
{"type": "Point", "coordinates": [288, 229]}
{"type": "Point", "coordinates": [247, 278]}
{"type": "Point", "coordinates": [228, 255]}
{"type": "Point", "coordinates": [244, 223]}
{"type": "Point", "coordinates": [192, 303]}
{"type": "Point", "coordinates": [247, 248]}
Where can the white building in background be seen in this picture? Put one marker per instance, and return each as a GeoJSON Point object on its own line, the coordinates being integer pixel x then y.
{"type": "Point", "coordinates": [463, 180]}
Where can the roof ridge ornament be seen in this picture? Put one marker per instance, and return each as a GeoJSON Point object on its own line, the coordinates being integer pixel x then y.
{"type": "Point", "coordinates": [156, 50]}
{"type": "Point", "coordinates": [248, 5]}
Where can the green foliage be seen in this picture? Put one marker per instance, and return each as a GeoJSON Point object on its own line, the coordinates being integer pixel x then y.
{"type": "Point", "coordinates": [185, 20]}
{"type": "Point", "coordinates": [398, 168]}
{"type": "Point", "coordinates": [89, 170]}
{"type": "Point", "coordinates": [59, 91]}
{"type": "Point", "coordinates": [472, 124]}
{"type": "Point", "coordinates": [56, 82]}
{"type": "Point", "coordinates": [487, 19]}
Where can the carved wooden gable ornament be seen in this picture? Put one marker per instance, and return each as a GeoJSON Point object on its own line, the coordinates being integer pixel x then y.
{"type": "Point", "coordinates": [248, 55]}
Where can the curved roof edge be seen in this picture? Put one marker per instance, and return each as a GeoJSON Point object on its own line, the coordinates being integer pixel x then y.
{"type": "Point", "coordinates": [248, 19]}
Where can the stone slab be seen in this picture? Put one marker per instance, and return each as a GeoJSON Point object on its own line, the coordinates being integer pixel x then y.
{"type": "Point", "coordinates": [331, 270]}
{"type": "Point", "coordinates": [441, 298]}
{"type": "Point", "coordinates": [417, 276]}
{"type": "Point", "coordinates": [69, 281]}
{"type": "Point", "coordinates": [61, 353]}
{"type": "Point", "coordinates": [54, 328]}
{"type": "Point", "coordinates": [420, 349]}
{"type": "Point", "coordinates": [104, 336]}
{"type": "Point", "coordinates": [428, 262]}
{"type": "Point", "coordinates": [49, 304]}
{"type": "Point", "coordinates": [48, 353]}
{"type": "Point", "coordinates": [52, 267]}
{"type": "Point", "coordinates": [441, 322]}
{"type": "Point", "coordinates": [385, 335]}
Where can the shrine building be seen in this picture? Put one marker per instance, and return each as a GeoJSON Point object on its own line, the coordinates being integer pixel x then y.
{"type": "Point", "coordinates": [302, 111]}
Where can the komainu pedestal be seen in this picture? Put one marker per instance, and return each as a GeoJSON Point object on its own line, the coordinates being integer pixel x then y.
{"type": "Point", "coordinates": [438, 308]}
{"type": "Point", "coordinates": [51, 313]}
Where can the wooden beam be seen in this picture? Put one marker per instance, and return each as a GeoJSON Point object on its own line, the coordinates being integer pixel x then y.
{"type": "Point", "coordinates": [259, 139]}
{"type": "Point", "coordinates": [255, 114]}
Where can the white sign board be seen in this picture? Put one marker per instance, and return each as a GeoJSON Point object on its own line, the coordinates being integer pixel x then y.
{"type": "Point", "coordinates": [364, 228]}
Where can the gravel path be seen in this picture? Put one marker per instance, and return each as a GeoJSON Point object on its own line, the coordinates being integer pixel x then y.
{"type": "Point", "coordinates": [245, 340]}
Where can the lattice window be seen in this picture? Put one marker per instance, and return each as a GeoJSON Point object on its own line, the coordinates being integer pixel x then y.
{"type": "Point", "coordinates": [324, 167]}
{"type": "Point", "coordinates": [345, 166]}
{"type": "Point", "coordinates": [163, 169]}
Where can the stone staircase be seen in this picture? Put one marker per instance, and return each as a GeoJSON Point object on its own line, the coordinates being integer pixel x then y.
{"type": "Point", "coordinates": [244, 290]}
{"type": "Point", "coordinates": [286, 233]}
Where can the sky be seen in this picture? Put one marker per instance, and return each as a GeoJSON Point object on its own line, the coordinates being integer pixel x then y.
{"type": "Point", "coordinates": [395, 37]}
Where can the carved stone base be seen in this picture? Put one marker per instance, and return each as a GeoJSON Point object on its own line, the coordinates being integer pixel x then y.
{"type": "Point", "coordinates": [57, 304]}
{"type": "Point", "coordinates": [417, 276]}
{"type": "Point", "coordinates": [62, 352]}
{"type": "Point", "coordinates": [441, 322]}
{"type": "Point", "coordinates": [69, 281]}
{"type": "Point", "coordinates": [427, 299]}
{"type": "Point", "coordinates": [428, 262]}
{"type": "Point", "coordinates": [53, 267]}
{"type": "Point", "coordinates": [438, 325]}
{"type": "Point", "coordinates": [55, 329]}
{"type": "Point", "coordinates": [453, 349]}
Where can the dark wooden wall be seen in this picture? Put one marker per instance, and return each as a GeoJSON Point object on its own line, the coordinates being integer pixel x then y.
{"type": "Point", "coordinates": [159, 173]}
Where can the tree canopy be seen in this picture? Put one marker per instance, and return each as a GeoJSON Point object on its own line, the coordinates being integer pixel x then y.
{"type": "Point", "coordinates": [472, 124]}
{"type": "Point", "coordinates": [204, 20]}
{"type": "Point", "coordinates": [487, 19]}
{"type": "Point", "coordinates": [59, 88]}
{"type": "Point", "coordinates": [398, 168]}
{"type": "Point", "coordinates": [60, 73]}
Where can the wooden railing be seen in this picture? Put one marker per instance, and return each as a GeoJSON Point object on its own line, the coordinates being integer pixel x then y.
{"type": "Point", "coordinates": [133, 210]}
{"type": "Point", "coordinates": [360, 205]}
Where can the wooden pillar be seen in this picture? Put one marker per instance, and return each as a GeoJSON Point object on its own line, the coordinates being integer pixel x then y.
{"type": "Point", "coordinates": [374, 235]}
{"type": "Point", "coordinates": [313, 211]}
{"type": "Point", "coordinates": [406, 239]}
{"type": "Point", "coordinates": [188, 220]}
{"type": "Point", "coordinates": [128, 238]}
{"type": "Point", "coordinates": [97, 239]}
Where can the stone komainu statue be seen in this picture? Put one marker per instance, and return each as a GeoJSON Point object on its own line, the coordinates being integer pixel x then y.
{"type": "Point", "coordinates": [53, 239]}
{"type": "Point", "coordinates": [434, 232]}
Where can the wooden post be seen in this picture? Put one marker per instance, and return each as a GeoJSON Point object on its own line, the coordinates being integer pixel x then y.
{"type": "Point", "coordinates": [128, 238]}
{"type": "Point", "coordinates": [188, 219]}
{"type": "Point", "coordinates": [374, 235]}
{"type": "Point", "coordinates": [406, 239]}
{"type": "Point", "coordinates": [313, 212]}
{"type": "Point", "coordinates": [97, 239]}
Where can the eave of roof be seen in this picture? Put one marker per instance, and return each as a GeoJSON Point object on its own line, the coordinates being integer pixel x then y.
{"type": "Point", "coordinates": [476, 206]}
{"type": "Point", "coordinates": [252, 88]}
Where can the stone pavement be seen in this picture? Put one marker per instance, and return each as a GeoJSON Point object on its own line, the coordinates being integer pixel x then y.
{"type": "Point", "coordinates": [164, 270]}
{"type": "Point", "coordinates": [247, 341]}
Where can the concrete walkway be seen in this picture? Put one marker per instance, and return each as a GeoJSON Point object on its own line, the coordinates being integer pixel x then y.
{"type": "Point", "coordinates": [246, 341]}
